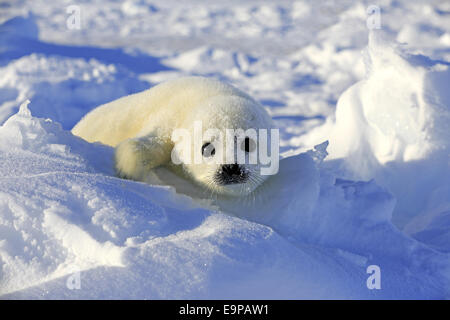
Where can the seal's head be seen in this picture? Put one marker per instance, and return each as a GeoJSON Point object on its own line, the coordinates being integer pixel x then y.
{"type": "Point", "coordinates": [222, 144]}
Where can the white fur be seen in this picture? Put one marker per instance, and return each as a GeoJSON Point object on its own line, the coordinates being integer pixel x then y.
{"type": "Point", "coordinates": [140, 126]}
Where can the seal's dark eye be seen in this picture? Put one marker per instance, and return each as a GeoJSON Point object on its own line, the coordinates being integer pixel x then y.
{"type": "Point", "coordinates": [208, 150]}
{"type": "Point", "coordinates": [248, 145]}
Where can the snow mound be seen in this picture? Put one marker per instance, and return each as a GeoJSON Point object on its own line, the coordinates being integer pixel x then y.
{"type": "Point", "coordinates": [64, 215]}
{"type": "Point", "coordinates": [394, 124]}
{"type": "Point", "coordinates": [401, 110]}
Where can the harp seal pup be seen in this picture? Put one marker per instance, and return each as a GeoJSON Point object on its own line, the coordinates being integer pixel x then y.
{"type": "Point", "coordinates": [141, 128]}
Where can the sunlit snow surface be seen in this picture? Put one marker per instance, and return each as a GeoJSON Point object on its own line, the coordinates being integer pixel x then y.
{"type": "Point", "coordinates": [381, 196]}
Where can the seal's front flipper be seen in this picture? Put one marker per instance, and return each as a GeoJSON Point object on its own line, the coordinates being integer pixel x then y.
{"type": "Point", "coordinates": [136, 156]}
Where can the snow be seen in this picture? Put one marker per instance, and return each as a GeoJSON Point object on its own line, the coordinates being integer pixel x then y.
{"type": "Point", "coordinates": [377, 193]}
{"type": "Point", "coordinates": [392, 132]}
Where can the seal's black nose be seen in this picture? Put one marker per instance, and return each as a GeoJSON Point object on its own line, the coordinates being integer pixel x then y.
{"type": "Point", "coordinates": [231, 173]}
{"type": "Point", "coordinates": [231, 170]}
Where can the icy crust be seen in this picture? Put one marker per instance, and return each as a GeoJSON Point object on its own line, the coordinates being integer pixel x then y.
{"type": "Point", "coordinates": [63, 212]}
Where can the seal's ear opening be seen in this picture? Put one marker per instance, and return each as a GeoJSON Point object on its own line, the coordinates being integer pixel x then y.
{"type": "Point", "coordinates": [135, 156]}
